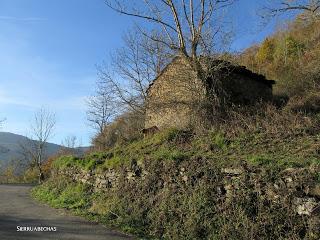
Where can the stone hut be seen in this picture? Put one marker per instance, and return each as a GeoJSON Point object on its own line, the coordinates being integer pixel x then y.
{"type": "Point", "coordinates": [175, 94]}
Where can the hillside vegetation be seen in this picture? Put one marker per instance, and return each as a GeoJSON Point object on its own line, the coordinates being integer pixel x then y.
{"type": "Point", "coordinates": [255, 174]}
{"type": "Point", "coordinates": [185, 193]}
{"type": "Point", "coordinates": [291, 57]}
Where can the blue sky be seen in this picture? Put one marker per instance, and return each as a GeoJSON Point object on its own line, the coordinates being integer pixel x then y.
{"type": "Point", "coordinates": [49, 49]}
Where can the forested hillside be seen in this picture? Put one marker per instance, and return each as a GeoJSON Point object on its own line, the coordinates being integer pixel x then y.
{"type": "Point", "coordinates": [291, 57]}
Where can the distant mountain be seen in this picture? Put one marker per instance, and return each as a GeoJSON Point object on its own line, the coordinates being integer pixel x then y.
{"type": "Point", "coordinates": [10, 147]}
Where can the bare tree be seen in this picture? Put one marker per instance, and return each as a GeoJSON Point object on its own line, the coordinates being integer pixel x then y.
{"type": "Point", "coordinates": [190, 29]}
{"type": "Point", "coordinates": [42, 127]}
{"type": "Point", "coordinates": [69, 142]}
{"type": "Point", "coordinates": [276, 7]}
{"type": "Point", "coordinates": [71, 145]}
{"type": "Point", "coordinates": [133, 67]}
{"type": "Point", "coordinates": [101, 109]}
{"type": "Point", "coordinates": [186, 27]}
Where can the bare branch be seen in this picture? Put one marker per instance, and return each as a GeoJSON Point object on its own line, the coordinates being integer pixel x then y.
{"type": "Point", "coordinates": [120, 9]}
{"type": "Point", "coordinates": [42, 128]}
{"type": "Point", "coordinates": [183, 25]}
{"type": "Point", "coordinates": [277, 7]}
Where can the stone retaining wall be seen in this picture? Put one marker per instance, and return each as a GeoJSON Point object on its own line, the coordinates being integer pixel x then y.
{"type": "Point", "coordinates": [297, 183]}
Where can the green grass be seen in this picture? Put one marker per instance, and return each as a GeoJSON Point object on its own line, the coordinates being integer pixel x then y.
{"type": "Point", "coordinates": [63, 193]}
{"type": "Point", "coordinates": [176, 145]}
{"type": "Point", "coordinates": [87, 163]}
{"type": "Point", "coordinates": [192, 211]}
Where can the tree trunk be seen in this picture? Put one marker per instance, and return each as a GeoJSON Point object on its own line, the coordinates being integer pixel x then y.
{"type": "Point", "coordinates": [40, 176]}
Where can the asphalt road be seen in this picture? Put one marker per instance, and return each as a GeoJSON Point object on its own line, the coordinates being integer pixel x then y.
{"type": "Point", "coordinates": [19, 210]}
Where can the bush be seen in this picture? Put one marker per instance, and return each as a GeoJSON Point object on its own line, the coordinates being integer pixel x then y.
{"type": "Point", "coordinates": [310, 103]}
{"type": "Point", "coordinates": [125, 128]}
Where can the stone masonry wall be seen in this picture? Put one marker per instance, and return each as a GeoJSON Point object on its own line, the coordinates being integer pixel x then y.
{"type": "Point", "coordinates": [294, 182]}
{"type": "Point", "coordinates": [175, 97]}
{"type": "Point", "coordinates": [171, 96]}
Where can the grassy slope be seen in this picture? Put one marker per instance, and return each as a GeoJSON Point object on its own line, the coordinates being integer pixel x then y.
{"type": "Point", "coordinates": [290, 150]}
{"type": "Point", "coordinates": [215, 149]}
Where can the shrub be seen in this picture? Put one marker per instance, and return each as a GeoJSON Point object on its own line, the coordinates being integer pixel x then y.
{"type": "Point", "coordinates": [310, 103]}
{"type": "Point", "coordinates": [125, 128]}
